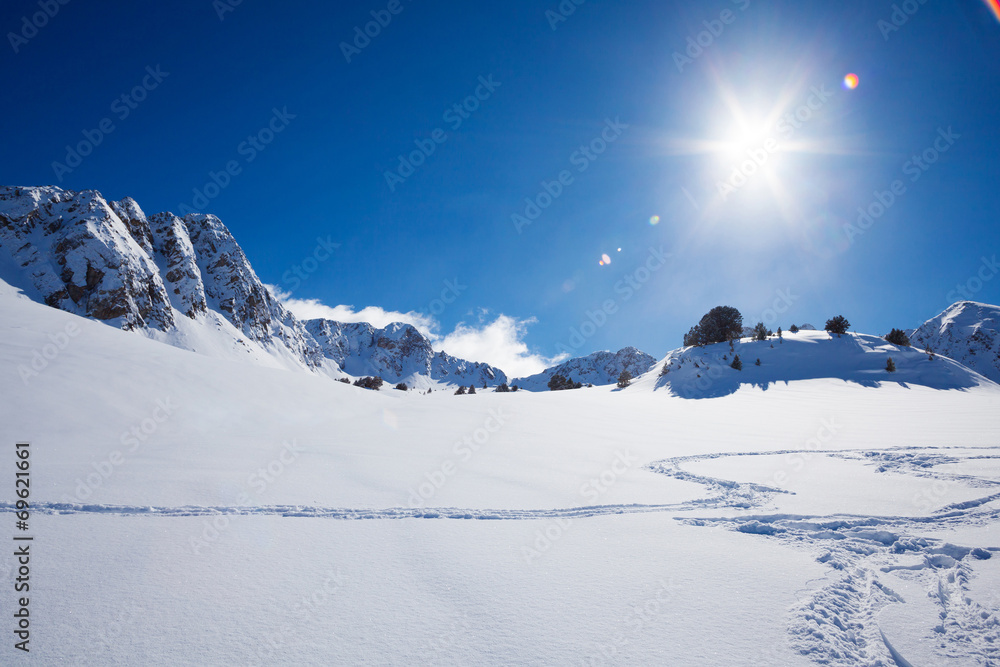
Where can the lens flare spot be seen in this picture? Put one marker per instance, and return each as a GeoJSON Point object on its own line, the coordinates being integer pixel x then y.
{"type": "Point", "coordinates": [605, 260]}
{"type": "Point", "coordinates": [655, 220]}
{"type": "Point", "coordinates": [851, 81]}
{"type": "Point", "coordinates": [619, 249]}
{"type": "Point", "coordinates": [994, 6]}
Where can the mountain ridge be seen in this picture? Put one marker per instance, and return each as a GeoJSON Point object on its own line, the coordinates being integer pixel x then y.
{"type": "Point", "coordinates": [185, 281]}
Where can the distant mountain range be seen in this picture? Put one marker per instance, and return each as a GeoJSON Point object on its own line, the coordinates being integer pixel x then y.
{"type": "Point", "coordinates": [598, 368]}
{"type": "Point", "coordinates": [186, 282]}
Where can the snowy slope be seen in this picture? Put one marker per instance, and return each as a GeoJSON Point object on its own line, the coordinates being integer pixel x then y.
{"type": "Point", "coordinates": [599, 368]}
{"type": "Point", "coordinates": [194, 510]}
{"type": "Point", "coordinates": [706, 372]}
{"type": "Point", "coordinates": [968, 332]}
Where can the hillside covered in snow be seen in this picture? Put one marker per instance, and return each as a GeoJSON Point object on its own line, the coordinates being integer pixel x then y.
{"type": "Point", "coordinates": [967, 332]}
{"type": "Point", "coordinates": [185, 502]}
{"type": "Point", "coordinates": [706, 372]}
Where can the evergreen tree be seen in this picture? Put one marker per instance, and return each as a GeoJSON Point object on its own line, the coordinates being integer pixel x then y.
{"type": "Point", "coordinates": [402, 386]}
{"type": "Point", "coordinates": [472, 389]}
{"type": "Point", "coordinates": [761, 332]}
{"type": "Point", "coordinates": [561, 383]}
{"type": "Point", "coordinates": [794, 329]}
{"type": "Point", "coordinates": [758, 361]}
{"type": "Point", "coordinates": [721, 324]}
{"type": "Point", "coordinates": [898, 337]}
{"type": "Point", "coordinates": [838, 325]}
{"type": "Point", "coordinates": [460, 391]}
{"type": "Point", "coordinates": [737, 364]}
{"type": "Point", "coordinates": [503, 388]}
{"type": "Point", "coordinates": [624, 380]}
{"type": "Point", "coordinates": [890, 365]}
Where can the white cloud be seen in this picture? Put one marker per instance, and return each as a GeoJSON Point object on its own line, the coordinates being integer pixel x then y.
{"type": "Point", "coordinates": [311, 309]}
{"type": "Point", "coordinates": [499, 342]}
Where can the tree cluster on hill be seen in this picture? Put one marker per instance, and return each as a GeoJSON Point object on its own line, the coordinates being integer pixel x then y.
{"type": "Point", "coordinates": [794, 329]}
{"type": "Point", "coordinates": [369, 383]}
{"type": "Point", "coordinates": [502, 389]}
{"type": "Point", "coordinates": [560, 382]}
{"type": "Point", "coordinates": [721, 324]}
{"type": "Point", "coordinates": [838, 325]}
{"type": "Point", "coordinates": [402, 386]}
{"type": "Point", "coordinates": [624, 380]}
{"type": "Point", "coordinates": [898, 337]}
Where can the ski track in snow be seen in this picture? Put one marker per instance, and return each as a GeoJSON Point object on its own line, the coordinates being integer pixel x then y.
{"type": "Point", "coordinates": [344, 513]}
{"type": "Point", "coordinates": [838, 624]}
{"type": "Point", "coordinates": [834, 625]}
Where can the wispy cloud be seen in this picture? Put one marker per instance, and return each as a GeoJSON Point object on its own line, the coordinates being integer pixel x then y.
{"type": "Point", "coordinates": [499, 342]}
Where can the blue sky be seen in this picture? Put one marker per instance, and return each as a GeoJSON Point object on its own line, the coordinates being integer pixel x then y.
{"type": "Point", "coordinates": [614, 100]}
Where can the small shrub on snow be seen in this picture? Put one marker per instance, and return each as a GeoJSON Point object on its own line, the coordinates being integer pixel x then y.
{"type": "Point", "coordinates": [374, 383]}
{"type": "Point", "coordinates": [560, 383]}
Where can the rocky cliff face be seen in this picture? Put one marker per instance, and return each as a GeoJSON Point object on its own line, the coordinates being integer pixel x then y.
{"type": "Point", "coordinates": [967, 332]}
{"type": "Point", "coordinates": [73, 252]}
{"type": "Point", "coordinates": [599, 368]}
{"type": "Point", "coordinates": [110, 261]}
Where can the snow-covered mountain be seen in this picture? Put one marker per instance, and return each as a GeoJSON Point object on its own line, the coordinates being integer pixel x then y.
{"type": "Point", "coordinates": [599, 368]}
{"type": "Point", "coordinates": [967, 332]}
{"type": "Point", "coordinates": [186, 282]}
{"type": "Point", "coordinates": [397, 353]}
